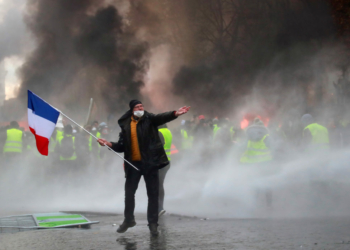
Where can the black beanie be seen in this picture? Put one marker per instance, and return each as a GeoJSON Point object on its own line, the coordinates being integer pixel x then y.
{"type": "Point", "coordinates": [133, 103]}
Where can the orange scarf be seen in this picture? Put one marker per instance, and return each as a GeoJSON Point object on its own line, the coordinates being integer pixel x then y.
{"type": "Point", "coordinates": [135, 150]}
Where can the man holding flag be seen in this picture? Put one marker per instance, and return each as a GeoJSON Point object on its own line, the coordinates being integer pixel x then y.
{"type": "Point", "coordinates": [140, 142]}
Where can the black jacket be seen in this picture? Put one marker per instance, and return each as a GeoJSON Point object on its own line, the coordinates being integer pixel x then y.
{"type": "Point", "coordinates": [151, 148]}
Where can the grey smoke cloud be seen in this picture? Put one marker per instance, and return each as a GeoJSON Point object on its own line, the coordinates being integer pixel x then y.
{"type": "Point", "coordinates": [12, 28]}
{"type": "Point", "coordinates": [84, 50]}
{"type": "Point", "coordinates": [243, 54]}
{"type": "Point", "coordinates": [102, 49]}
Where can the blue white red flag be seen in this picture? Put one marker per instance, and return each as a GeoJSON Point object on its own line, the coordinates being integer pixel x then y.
{"type": "Point", "coordinates": [42, 119]}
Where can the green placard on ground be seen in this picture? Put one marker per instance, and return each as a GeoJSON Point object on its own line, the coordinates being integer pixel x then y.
{"type": "Point", "coordinates": [59, 219]}
{"type": "Point", "coordinates": [17, 223]}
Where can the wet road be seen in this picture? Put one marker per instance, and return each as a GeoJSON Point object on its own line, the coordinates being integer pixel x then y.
{"type": "Point", "coordinates": [178, 232]}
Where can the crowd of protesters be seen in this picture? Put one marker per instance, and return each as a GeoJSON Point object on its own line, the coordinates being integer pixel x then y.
{"type": "Point", "coordinates": [281, 137]}
{"type": "Point", "coordinates": [254, 141]}
{"type": "Point", "coordinates": [72, 147]}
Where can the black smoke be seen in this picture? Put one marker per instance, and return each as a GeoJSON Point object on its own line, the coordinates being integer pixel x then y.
{"type": "Point", "coordinates": [87, 49]}
{"type": "Point", "coordinates": [270, 37]}
{"type": "Point", "coordinates": [84, 49]}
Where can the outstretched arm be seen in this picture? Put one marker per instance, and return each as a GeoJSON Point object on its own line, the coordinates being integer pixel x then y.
{"type": "Point", "coordinates": [163, 118]}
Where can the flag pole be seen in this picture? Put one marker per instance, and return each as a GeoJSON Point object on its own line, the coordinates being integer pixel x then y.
{"type": "Point", "coordinates": [87, 132]}
{"type": "Point", "coordinates": [96, 138]}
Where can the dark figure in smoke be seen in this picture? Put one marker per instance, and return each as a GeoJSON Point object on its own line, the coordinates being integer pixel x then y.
{"type": "Point", "coordinates": [222, 138]}
{"type": "Point", "coordinates": [140, 142]}
{"type": "Point", "coordinates": [67, 149]}
{"type": "Point", "coordinates": [202, 131]}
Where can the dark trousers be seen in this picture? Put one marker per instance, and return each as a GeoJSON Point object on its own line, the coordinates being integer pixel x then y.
{"type": "Point", "coordinates": [162, 172]}
{"type": "Point", "coordinates": [132, 181]}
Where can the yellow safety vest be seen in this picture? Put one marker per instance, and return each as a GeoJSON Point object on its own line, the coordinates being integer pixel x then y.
{"type": "Point", "coordinates": [54, 140]}
{"type": "Point", "coordinates": [98, 135]}
{"type": "Point", "coordinates": [320, 138]}
{"type": "Point", "coordinates": [187, 141]}
{"type": "Point", "coordinates": [59, 134]}
{"type": "Point", "coordinates": [168, 137]}
{"type": "Point", "coordinates": [215, 130]}
{"type": "Point", "coordinates": [256, 152]}
{"type": "Point", "coordinates": [13, 142]}
{"type": "Point", "coordinates": [74, 156]}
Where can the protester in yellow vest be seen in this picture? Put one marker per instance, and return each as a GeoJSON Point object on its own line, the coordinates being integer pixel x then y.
{"type": "Point", "coordinates": [257, 148]}
{"type": "Point", "coordinates": [92, 141]}
{"type": "Point", "coordinates": [56, 135]}
{"type": "Point", "coordinates": [315, 136]}
{"type": "Point", "coordinates": [216, 127]}
{"type": "Point", "coordinates": [94, 147]}
{"type": "Point", "coordinates": [66, 147]}
{"type": "Point", "coordinates": [166, 138]}
{"type": "Point", "coordinates": [14, 141]}
{"type": "Point", "coordinates": [258, 153]}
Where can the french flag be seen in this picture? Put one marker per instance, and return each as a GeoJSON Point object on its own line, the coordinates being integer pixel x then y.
{"type": "Point", "coordinates": [42, 119]}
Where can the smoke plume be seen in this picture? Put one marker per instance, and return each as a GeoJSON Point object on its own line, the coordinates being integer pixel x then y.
{"type": "Point", "coordinates": [12, 29]}
{"type": "Point", "coordinates": [84, 49]}
{"type": "Point", "coordinates": [220, 51]}
{"type": "Point", "coordinates": [244, 45]}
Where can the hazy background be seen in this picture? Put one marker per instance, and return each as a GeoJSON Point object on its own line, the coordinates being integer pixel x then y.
{"type": "Point", "coordinates": [276, 58]}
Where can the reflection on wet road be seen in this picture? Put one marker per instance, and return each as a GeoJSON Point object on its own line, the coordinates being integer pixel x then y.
{"type": "Point", "coordinates": [155, 242]}
{"type": "Point", "coordinates": [129, 244]}
{"type": "Point", "coordinates": [180, 232]}
{"type": "Point", "coordinates": [194, 233]}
